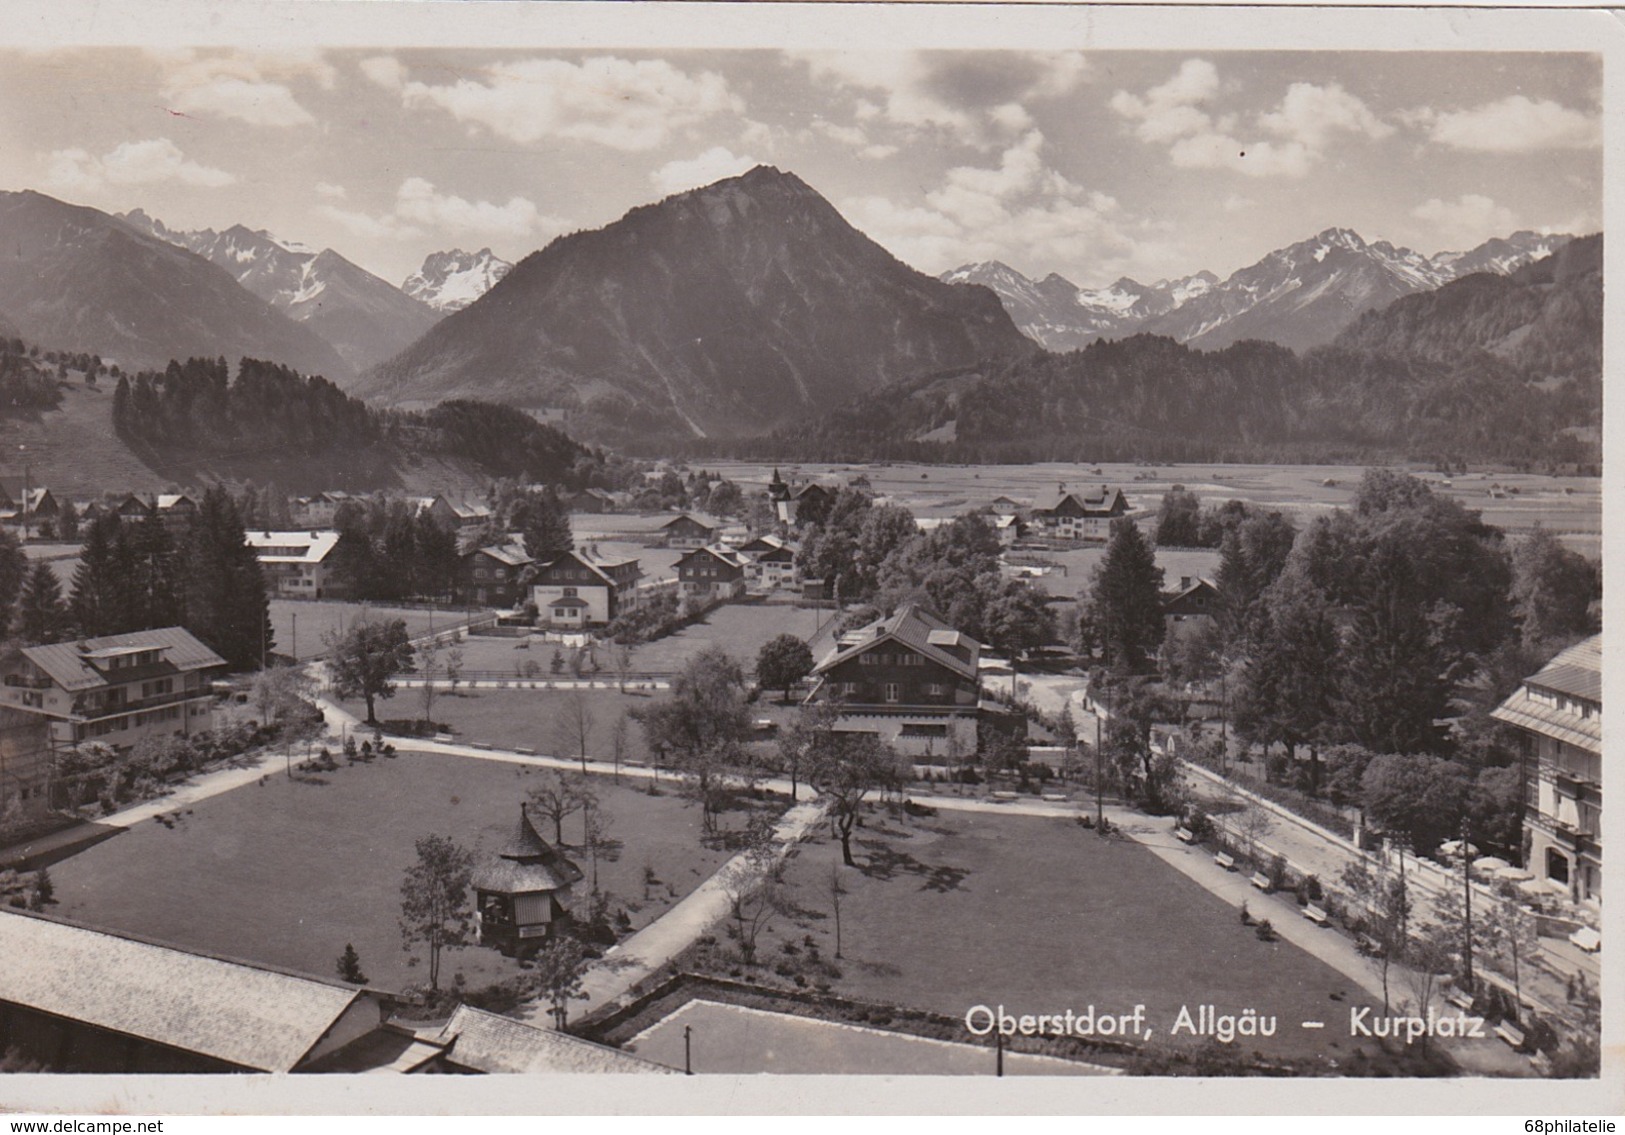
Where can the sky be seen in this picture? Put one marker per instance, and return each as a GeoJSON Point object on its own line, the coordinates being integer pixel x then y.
{"type": "Point", "coordinates": [1092, 164]}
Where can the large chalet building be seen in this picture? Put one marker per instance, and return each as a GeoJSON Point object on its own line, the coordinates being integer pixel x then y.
{"type": "Point", "coordinates": [492, 576]}
{"type": "Point", "coordinates": [1558, 715]}
{"type": "Point", "coordinates": [584, 588]}
{"type": "Point", "coordinates": [116, 689]}
{"type": "Point", "coordinates": [688, 531]}
{"type": "Point", "coordinates": [1082, 515]}
{"type": "Point", "coordinates": [770, 561]}
{"type": "Point", "coordinates": [295, 563]}
{"type": "Point", "coordinates": [711, 574]}
{"type": "Point", "coordinates": [909, 678]}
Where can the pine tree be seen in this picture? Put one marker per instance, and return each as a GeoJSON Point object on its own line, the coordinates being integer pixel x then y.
{"type": "Point", "coordinates": [95, 600]}
{"type": "Point", "coordinates": [1125, 600]}
{"type": "Point", "coordinates": [225, 598]}
{"type": "Point", "coordinates": [157, 567]}
{"type": "Point", "coordinates": [13, 570]}
{"type": "Point", "coordinates": [41, 613]}
{"type": "Point", "coordinates": [547, 529]}
{"type": "Point", "coordinates": [350, 966]}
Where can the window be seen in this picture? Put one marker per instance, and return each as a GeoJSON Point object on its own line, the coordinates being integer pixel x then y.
{"type": "Point", "coordinates": [569, 593]}
{"type": "Point", "coordinates": [893, 693]}
{"type": "Point", "coordinates": [868, 659]}
{"type": "Point", "coordinates": [936, 689]}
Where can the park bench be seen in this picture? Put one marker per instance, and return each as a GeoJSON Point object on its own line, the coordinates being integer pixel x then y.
{"type": "Point", "coordinates": [1226, 860]}
{"type": "Point", "coordinates": [524, 752]}
{"type": "Point", "coordinates": [1055, 797]}
{"type": "Point", "coordinates": [482, 745]}
{"type": "Point", "coordinates": [1004, 796]}
{"type": "Point", "coordinates": [1260, 880]}
{"type": "Point", "coordinates": [444, 738]}
{"type": "Point", "coordinates": [1316, 914]}
{"type": "Point", "coordinates": [1368, 946]}
{"type": "Point", "coordinates": [1184, 835]}
{"type": "Point", "coordinates": [1460, 998]}
{"type": "Point", "coordinates": [1510, 1033]}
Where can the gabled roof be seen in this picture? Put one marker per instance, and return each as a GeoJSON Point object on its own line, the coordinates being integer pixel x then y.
{"type": "Point", "coordinates": [511, 554]}
{"type": "Point", "coordinates": [1185, 592]}
{"type": "Point", "coordinates": [527, 863]}
{"type": "Point", "coordinates": [1576, 671]}
{"type": "Point", "coordinates": [1096, 500]}
{"type": "Point", "coordinates": [68, 666]}
{"type": "Point", "coordinates": [313, 547]}
{"type": "Point", "coordinates": [812, 487]}
{"type": "Point", "coordinates": [716, 551]}
{"type": "Point", "coordinates": [703, 522]}
{"type": "Point", "coordinates": [571, 601]}
{"type": "Point", "coordinates": [600, 565]}
{"type": "Point", "coordinates": [244, 1015]}
{"type": "Point", "coordinates": [767, 542]}
{"type": "Point", "coordinates": [917, 628]}
{"type": "Point", "coordinates": [485, 1042]}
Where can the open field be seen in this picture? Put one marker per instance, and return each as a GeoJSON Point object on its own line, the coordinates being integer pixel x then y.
{"type": "Point", "coordinates": [1569, 506]}
{"type": "Point", "coordinates": [288, 872]}
{"type": "Point", "coordinates": [1077, 565]}
{"type": "Point", "coordinates": [1042, 916]}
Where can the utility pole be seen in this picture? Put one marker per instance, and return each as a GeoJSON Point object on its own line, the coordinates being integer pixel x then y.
{"type": "Point", "coordinates": [1100, 778]}
{"type": "Point", "coordinates": [1467, 894]}
{"type": "Point", "coordinates": [688, 1051]}
{"type": "Point", "coordinates": [28, 490]}
{"type": "Point", "coordinates": [998, 1051]}
{"type": "Point", "coordinates": [295, 647]}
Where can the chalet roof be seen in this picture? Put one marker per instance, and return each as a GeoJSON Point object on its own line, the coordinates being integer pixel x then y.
{"type": "Point", "coordinates": [511, 554]}
{"type": "Point", "coordinates": [1190, 589]}
{"type": "Point", "coordinates": [716, 551]}
{"type": "Point", "coordinates": [813, 486]}
{"type": "Point", "coordinates": [67, 663]}
{"type": "Point", "coordinates": [595, 562]}
{"type": "Point", "coordinates": [703, 522]}
{"type": "Point", "coordinates": [244, 1015]}
{"type": "Point", "coordinates": [312, 547]}
{"type": "Point", "coordinates": [167, 501]}
{"type": "Point", "coordinates": [766, 542]}
{"type": "Point", "coordinates": [1576, 671]}
{"type": "Point", "coordinates": [1550, 721]}
{"type": "Point", "coordinates": [485, 1042]}
{"type": "Point", "coordinates": [919, 629]}
{"type": "Point", "coordinates": [527, 863]}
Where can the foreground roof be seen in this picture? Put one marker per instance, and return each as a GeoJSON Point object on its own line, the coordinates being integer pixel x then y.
{"type": "Point", "coordinates": [1576, 671]}
{"type": "Point", "coordinates": [486, 1042]}
{"type": "Point", "coordinates": [244, 1015]}
{"type": "Point", "coordinates": [69, 663]}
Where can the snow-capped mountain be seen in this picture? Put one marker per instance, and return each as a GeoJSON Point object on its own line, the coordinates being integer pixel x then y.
{"type": "Point", "coordinates": [1299, 296]}
{"type": "Point", "coordinates": [450, 281]}
{"type": "Point", "coordinates": [365, 318]}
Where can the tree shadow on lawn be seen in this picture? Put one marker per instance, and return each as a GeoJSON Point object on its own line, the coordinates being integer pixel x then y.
{"type": "Point", "coordinates": [883, 862]}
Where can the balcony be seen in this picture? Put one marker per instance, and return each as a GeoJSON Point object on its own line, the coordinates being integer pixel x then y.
{"type": "Point", "coordinates": [88, 713]}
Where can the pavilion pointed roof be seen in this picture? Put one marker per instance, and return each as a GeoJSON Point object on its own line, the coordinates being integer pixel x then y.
{"type": "Point", "coordinates": [527, 863]}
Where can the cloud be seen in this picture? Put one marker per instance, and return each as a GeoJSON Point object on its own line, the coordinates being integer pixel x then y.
{"type": "Point", "coordinates": [330, 191]}
{"type": "Point", "coordinates": [131, 163]}
{"type": "Point", "coordinates": [619, 103]}
{"type": "Point", "coordinates": [1287, 141]}
{"type": "Point", "coordinates": [1467, 221]}
{"type": "Point", "coordinates": [977, 98]}
{"type": "Point", "coordinates": [385, 70]}
{"type": "Point", "coordinates": [1018, 209]}
{"type": "Point", "coordinates": [715, 164]}
{"type": "Point", "coordinates": [420, 209]}
{"type": "Point", "coordinates": [1514, 125]}
{"type": "Point", "coordinates": [247, 88]}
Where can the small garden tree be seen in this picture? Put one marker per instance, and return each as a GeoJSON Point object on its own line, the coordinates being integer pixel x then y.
{"type": "Point", "coordinates": [435, 907]}
{"type": "Point", "coordinates": [349, 966]}
{"type": "Point", "coordinates": [782, 662]}
{"type": "Point", "coordinates": [846, 768]}
{"type": "Point", "coordinates": [559, 968]}
{"type": "Point", "coordinates": [365, 660]}
{"type": "Point", "coordinates": [557, 796]}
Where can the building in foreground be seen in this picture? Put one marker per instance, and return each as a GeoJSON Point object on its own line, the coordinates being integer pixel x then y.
{"type": "Point", "coordinates": [115, 689]}
{"type": "Point", "coordinates": [1558, 715]}
{"type": "Point", "coordinates": [910, 678]}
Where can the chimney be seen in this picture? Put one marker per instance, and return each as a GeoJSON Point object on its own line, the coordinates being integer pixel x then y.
{"type": "Point", "coordinates": [1184, 582]}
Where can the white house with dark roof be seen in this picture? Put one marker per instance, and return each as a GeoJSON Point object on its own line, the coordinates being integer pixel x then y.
{"type": "Point", "coordinates": [1558, 714]}
{"type": "Point", "coordinates": [115, 689]}
{"type": "Point", "coordinates": [713, 573]}
{"type": "Point", "coordinates": [910, 678]}
{"type": "Point", "coordinates": [585, 588]}
{"type": "Point", "coordinates": [295, 563]}
{"type": "Point", "coordinates": [1082, 515]}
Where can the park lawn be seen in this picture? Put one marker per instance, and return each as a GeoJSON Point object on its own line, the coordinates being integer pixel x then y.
{"type": "Point", "coordinates": [532, 719]}
{"type": "Point", "coordinates": [317, 618]}
{"type": "Point", "coordinates": [287, 873]}
{"type": "Point", "coordinates": [1042, 915]}
{"type": "Point", "coordinates": [738, 628]}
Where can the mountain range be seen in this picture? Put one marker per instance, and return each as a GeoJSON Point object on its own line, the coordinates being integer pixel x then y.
{"type": "Point", "coordinates": [450, 281]}
{"type": "Point", "coordinates": [75, 278]}
{"type": "Point", "coordinates": [729, 309]}
{"type": "Point", "coordinates": [366, 319]}
{"type": "Point", "coordinates": [1300, 296]}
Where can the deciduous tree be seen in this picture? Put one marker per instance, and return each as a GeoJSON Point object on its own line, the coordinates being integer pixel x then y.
{"type": "Point", "coordinates": [435, 906]}
{"type": "Point", "coordinates": [782, 662]}
{"type": "Point", "coordinates": [365, 660]}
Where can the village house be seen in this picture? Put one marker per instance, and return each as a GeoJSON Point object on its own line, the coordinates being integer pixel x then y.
{"type": "Point", "coordinates": [178, 511]}
{"type": "Point", "coordinates": [910, 678]}
{"type": "Point", "coordinates": [317, 511]}
{"type": "Point", "coordinates": [712, 574]}
{"type": "Point", "coordinates": [115, 689]}
{"type": "Point", "coordinates": [584, 588]}
{"type": "Point", "coordinates": [1193, 600]}
{"type": "Point", "coordinates": [492, 576]}
{"type": "Point", "coordinates": [1082, 515]}
{"type": "Point", "coordinates": [454, 516]}
{"type": "Point", "coordinates": [32, 508]}
{"type": "Point", "coordinates": [1558, 715]}
{"type": "Point", "coordinates": [771, 562]}
{"type": "Point", "coordinates": [25, 763]}
{"type": "Point", "coordinates": [295, 563]}
{"type": "Point", "coordinates": [688, 531]}
{"type": "Point", "coordinates": [592, 500]}
{"type": "Point", "coordinates": [1005, 506]}
{"type": "Point", "coordinates": [1008, 528]}
{"type": "Point", "coordinates": [132, 508]}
